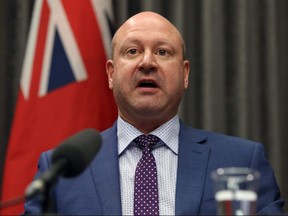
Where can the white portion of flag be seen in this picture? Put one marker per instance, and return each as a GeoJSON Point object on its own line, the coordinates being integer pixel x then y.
{"type": "Point", "coordinates": [44, 80]}
{"type": "Point", "coordinates": [100, 8]}
{"type": "Point", "coordinates": [26, 74]}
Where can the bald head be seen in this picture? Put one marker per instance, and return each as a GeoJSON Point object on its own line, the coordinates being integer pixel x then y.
{"type": "Point", "coordinates": [147, 22]}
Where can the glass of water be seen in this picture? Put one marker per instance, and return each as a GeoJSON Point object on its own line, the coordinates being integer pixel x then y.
{"type": "Point", "coordinates": [236, 190]}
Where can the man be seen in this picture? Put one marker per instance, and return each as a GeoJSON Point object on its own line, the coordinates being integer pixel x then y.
{"type": "Point", "coordinates": [148, 74]}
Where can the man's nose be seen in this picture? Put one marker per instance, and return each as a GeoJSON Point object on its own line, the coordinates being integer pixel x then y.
{"type": "Point", "coordinates": [148, 62]}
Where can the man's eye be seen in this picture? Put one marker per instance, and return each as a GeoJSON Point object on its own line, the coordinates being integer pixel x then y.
{"type": "Point", "coordinates": [132, 51]}
{"type": "Point", "coordinates": [162, 52]}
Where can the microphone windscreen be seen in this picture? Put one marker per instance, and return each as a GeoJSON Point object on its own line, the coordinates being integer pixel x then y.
{"type": "Point", "coordinates": [78, 151]}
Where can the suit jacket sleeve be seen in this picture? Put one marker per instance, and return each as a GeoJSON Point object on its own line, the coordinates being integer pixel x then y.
{"type": "Point", "coordinates": [34, 206]}
{"type": "Point", "coordinates": [269, 201]}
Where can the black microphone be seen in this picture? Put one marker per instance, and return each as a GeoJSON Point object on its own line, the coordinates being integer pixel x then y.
{"type": "Point", "coordinates": [68, 160]}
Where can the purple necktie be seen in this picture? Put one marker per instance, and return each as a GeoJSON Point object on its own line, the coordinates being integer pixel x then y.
{"type": "Point", "coordinates": [146, 200]}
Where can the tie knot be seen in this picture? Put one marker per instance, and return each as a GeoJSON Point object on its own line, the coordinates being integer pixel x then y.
{"type": "Point", "coordinates": [146, 141]}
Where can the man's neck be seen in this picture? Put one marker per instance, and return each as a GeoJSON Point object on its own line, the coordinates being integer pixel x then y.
{"type": "Point", "coordinates": [147, 125]}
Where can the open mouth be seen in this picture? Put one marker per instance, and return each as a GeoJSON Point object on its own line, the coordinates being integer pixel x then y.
{"type": "Point", "coordinates": [147, 84]}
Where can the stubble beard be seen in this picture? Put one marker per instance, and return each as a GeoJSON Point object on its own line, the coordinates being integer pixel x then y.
{"type": "Point", "coordinates": [141, 110]}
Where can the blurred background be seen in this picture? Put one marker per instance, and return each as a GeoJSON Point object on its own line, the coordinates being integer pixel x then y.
{"type": "Point", "coordinates": [238, 51]}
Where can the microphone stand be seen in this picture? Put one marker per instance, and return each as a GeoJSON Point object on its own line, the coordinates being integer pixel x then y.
{"type": "Point", "coordinates": [48, 204]}
{"type": "Point", "coordinates": [43, 185]}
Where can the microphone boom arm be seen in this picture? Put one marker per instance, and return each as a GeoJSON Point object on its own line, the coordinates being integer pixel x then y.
{"type": "Point", "coordinates": [46, 180]}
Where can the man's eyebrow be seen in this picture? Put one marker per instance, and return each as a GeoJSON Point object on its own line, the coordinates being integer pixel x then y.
{"type": "Point", "coordinates": [131, 40]}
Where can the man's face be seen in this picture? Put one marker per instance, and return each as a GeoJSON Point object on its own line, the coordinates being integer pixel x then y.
{"type": "Point", "coordinates": [148, 74]}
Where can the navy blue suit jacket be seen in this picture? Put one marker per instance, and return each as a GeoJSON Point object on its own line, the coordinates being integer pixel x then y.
{"type": "Point", "coordinates": [97, 190]}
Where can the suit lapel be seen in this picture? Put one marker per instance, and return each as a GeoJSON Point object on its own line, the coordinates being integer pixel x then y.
{"type": "Point", "coordinates": [105, 172]}
{"type": "Point", "coordinates": [192, 164]}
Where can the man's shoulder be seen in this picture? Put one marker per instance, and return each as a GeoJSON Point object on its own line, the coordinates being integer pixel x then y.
{"type": "Point", "coordinates": [109, 132]}
{"type": "Point", "coordinates": [217, 138]}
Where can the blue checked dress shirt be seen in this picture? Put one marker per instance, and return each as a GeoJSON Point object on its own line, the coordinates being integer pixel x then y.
{"type": "Point", "coordinates": [166, 156]}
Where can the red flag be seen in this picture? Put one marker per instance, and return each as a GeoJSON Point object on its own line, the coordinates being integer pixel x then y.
{"type": "Point", "coordinates": [63, 87]}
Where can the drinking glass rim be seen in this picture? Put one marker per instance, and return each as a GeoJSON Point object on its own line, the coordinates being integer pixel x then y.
{"type": "Point", "coordinates": [244, 173]}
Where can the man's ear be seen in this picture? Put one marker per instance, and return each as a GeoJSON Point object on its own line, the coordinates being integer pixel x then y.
{"type": "Point", "coordinates": [110, 71]}
{"type": "Point", "coordinates": [186, 71]}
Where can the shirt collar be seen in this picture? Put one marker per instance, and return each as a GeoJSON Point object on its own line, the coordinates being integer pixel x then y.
{"type": "Point", "coordinates": [168, 133]}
